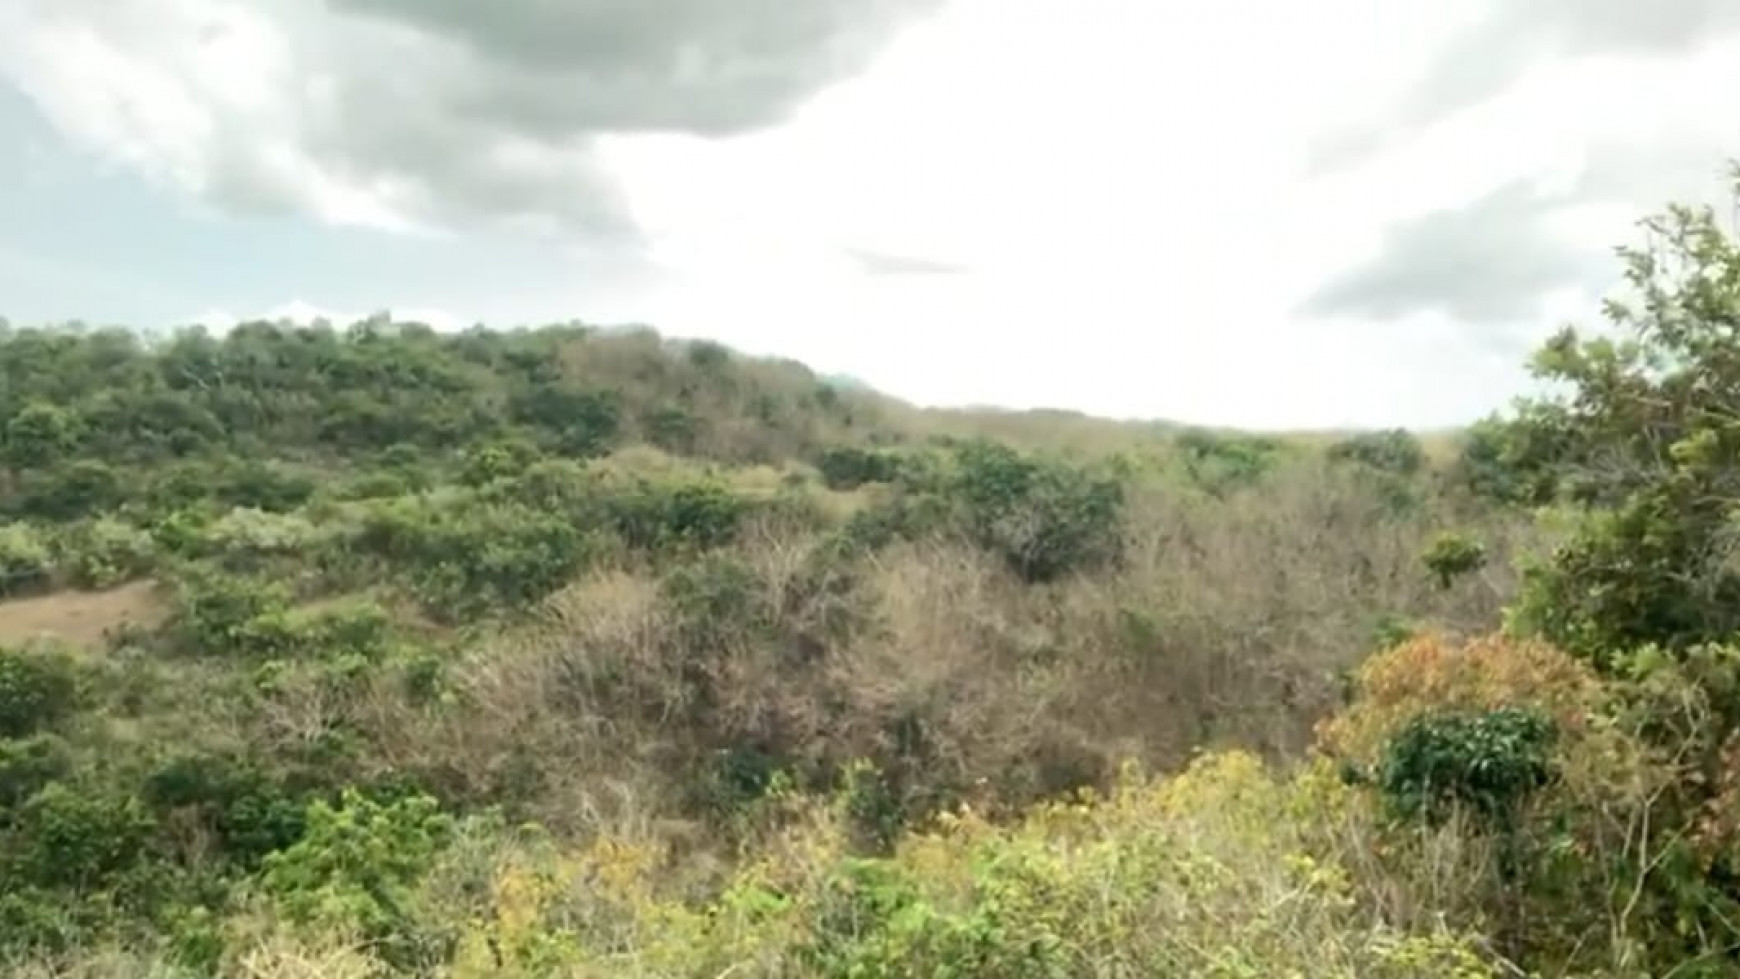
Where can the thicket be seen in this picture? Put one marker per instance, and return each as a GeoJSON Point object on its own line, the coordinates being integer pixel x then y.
{"type": "Point", "coordinates": [570, 652]}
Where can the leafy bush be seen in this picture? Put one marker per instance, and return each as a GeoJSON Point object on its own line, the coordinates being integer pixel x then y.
{"type": "Point", "coordinates": [26, 562]}
{"type": "Point", "coordinates": [1451, 556]}
{"type": "Point", "coordinates": [69, 491]}
{"type": "Point", "coordinates": [63, 837]}
{"type": "Point", "coordinates": [219, 614]}
{"type": "Point", "coordinates": [38, 689]}
{"type": "Point", "coordinates": [671, 428]}
{"type": "Point", "coordinates": [1044, 519]}
{"type": "Point", "coordinates": [356, 868]}
{"type": "Point", "coordinates": [488, 462]}
{"type": "Point", "coordinates": [1396, 451]}
{"type": "Point", "coordinates": [27, 764]}
{"type": "Point", "coordinates": [249, 813]}
{"type": "Point", "coordinates": [848, 467]}
{"type": "Point", "coordinates": [1507, 462]}
{"type": "Point", "coordinates": [1194, 875]}
{"type": "Point", "coordinates": [1222, 463]}
{"type": "Point", "coordinates": [1489, 762]}
{"type": "Point", "coordinates": [38, 435]}
{"type": "Point", "coordinates": [582, 424]}
{"type": "Point", "coordinates": [106, 552]}
{"type": "Point", "coordinates": [656, 516]}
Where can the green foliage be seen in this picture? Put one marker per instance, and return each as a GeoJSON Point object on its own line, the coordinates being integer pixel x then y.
{"type": "Point", "coordinates": [106, 552]}
{"type": "Point", "coordinates": [849, 467]}
{"type": "Point", "coordinates": [63, 837]}
{"type": "Point", "coordinates": [581, 424]}
{"type": "Point", "coordinates": [655, 516]}
{"type": "Point", "coordinates": [1220, 464]}
{"type": "Point", "coordinates": [714, 603]}
{"type": "Point", "coordinates": [1044, 519]}
{"type": "Point", "coordinates": [233, 798]}
{"type": "Point", "coordinates": [902, 517]}
{"type": "Point", "coordinates": [218, 613]}
{"type": "Point", "coordinates": [92, 421]}
{"type": "Point", "coordinates": [27, 765]}
{"type": "Point", "coordinates": [1451, 556]}
{"type": "Point", "coordinates": [67, 491]}
{"type": "Point", "coordinates": [37, 435]}
{"type": "Point", "coordinates": [26, 562]}
{"type": "Point", "coordinates": [357, 866]}
{"type": "Point", "coordinates": [671, 428]}
{"type": "Point", "coordinates": [1507, 461]}
{"type": "Point", "coordinates": [463, 560]}
{"type": "Point", "coordinates": [1488, 763]}
{"type": "Point", "coordinates": [1648, 435]}
{"type": "Point", "coordinates": [483, 464]}
{"type": "Point", "coordinates": [246, 533]}
{"type": "Point", "coordinates": [38, 689]}
{"type": "Point", "coordinates": [1397, 452]}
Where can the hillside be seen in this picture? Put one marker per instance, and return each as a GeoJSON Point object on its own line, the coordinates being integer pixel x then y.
{"type": "Point", "coordinates": [571, 652]}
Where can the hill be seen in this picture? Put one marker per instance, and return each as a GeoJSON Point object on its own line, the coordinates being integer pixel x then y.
{"type": "Point", "coordinates": [580, 652]}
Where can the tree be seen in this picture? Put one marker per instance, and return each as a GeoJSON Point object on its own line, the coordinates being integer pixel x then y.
{"type": "Point", "coordinates": [1647, 442]}
{"type": "Point", "coordinates": [1645, 447]}
{"type": "Point", "coordinates": [38, 435]}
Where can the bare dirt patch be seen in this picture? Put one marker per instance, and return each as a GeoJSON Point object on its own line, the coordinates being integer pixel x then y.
{"type": "Point", "coordinates": [83, 618]}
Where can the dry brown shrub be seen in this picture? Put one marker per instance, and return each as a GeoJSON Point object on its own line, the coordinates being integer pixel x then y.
{"type": "Point", "coordinates": [1229, 622]}
{"type": "Point", "coordinates": [1429, 673]}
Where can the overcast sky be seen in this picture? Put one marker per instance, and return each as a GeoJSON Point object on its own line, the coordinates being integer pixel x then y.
{"type": "Point", "coordinates": [1246, 212]}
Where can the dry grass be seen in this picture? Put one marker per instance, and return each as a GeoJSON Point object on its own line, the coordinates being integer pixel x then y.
{"type": "Point", "coordinates": [81, 618]}
{"type": "Point", "coordinates": [1230, 623]}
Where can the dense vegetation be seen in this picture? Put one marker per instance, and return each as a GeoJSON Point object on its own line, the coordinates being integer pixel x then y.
{"type": "Point", "coordinates": [565, 652]}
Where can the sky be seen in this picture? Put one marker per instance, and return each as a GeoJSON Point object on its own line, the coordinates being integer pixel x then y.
{"type": "Point", "coordinates": [1256, 213]}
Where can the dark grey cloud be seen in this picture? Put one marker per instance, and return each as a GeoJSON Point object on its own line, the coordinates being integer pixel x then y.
{"type": "Point", "coordinates": [885, 263]}
{"type": "Point", "coordinates": [1490, 262]}
{"type": "Point", "coordinates": [699, 66]}
{"type": "Point", "coordinates": [1495, 260]}
{"type": "Point", "coordinates": [452, 111]}
{"type": "Point", "coordinates": [1488, 58]}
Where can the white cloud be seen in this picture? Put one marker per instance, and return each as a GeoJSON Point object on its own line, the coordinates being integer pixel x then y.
{"type": "Point", "coordinates": [1121, 193]}
{"type": "Point", "coordinates": [1124, 186]}
{"type": "Point", "coordinates": [423, 114]}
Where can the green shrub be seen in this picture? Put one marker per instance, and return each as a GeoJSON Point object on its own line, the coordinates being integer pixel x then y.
{"type": "Point", "coordinates": [1396, 451]}
{"type": "Point", "coordinates": [1451, 556]}
{"type": "Point", "coordinates": [220, 614]}
{"type": "Point", "coordinates": [579, 424]}
{"type": "Point", "coordinates": [1507, 462]}
{"type": "Point", "coordinates": [38, 435]}
{"type": "Point", "coordinates": [676, 430]}
{"type": "Point", "coordinates": [849, 467]}
{"type": "Point", "coordinates": [249, 532]}
{"type": "Point", "coordinates": [106, 552]}
{"type": "Point", "coordinates": [66, 837]}
{"type": "Point", "coordinates": [656, 516]}
{"type": "Point", "coordinates": [356, 867]}
{"type": "Point", "coordinates": [1489, 763]}
{"type": "Point", "coordinates": [26, 563]}
{"type": "Point", "coordinates": [69, 491]}
{"type": "Point", "coordinates": [247, 811]}
{"type": "Point", "coordinates": [27, 764]}
{"type": "Point", "coordinates": [1044, 519]}
{"type": "Point", "coordinates": [483, 464]}
{"type": "Point", "coordinates": [1220, 464]}
{"type": "Point", "coordinates": [38, 689]}
{"type": "Point", "coordinates": [714, 602]}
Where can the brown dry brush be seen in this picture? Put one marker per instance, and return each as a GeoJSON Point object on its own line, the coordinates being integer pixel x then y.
{"type": "Point", "coordinates": [1226, 623]}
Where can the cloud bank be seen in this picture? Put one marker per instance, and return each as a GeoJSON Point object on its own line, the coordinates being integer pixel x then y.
{"type": "Point", "coordinates": [421, 114]}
